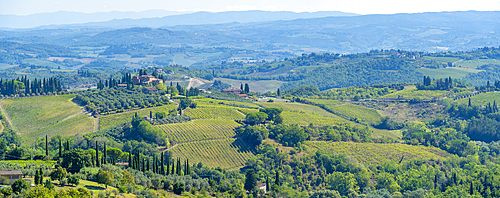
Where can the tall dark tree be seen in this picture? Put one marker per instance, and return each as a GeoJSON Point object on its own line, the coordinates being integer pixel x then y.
{"type": "Point", "coordinates": [247, 88]}
{"type": "Point", "coordinates": [278, 92]}
{"type": "Point", "coordinates": [98, 163]}
{"type": "Point", "coordinates": [162, 164]}
{"type": "Point", "coordinates": [250, 180]}
{"type": "Point", "coordinates": [46, 146]}
{"type": "Point", "coordinates": [470, 103]}
{"type": "Point", "coordinates": [277, 180]}
{"type": "Point", "coordinates": [60, 148]}
{"type": "Point", "coordinates": [130, 159]}
{"type": "Point", "coordinates": [105, 155]}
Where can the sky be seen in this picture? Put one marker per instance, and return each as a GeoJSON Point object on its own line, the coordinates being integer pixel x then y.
{"type": "Point", "coordinates": [25, 7]}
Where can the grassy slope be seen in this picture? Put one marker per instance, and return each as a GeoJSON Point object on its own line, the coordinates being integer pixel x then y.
{"type": "Point", "coordinates": [29, 114]}
{"type": "Point", "coordinates": [314, 110]}
{"type": "Point", "coordinates": [370, 116]}
{"type": "Point", "coordinates": [454, 72]}
{"type": "Point", "coordinates": [111, 120]}
{"type": "Point", "coordinates": [374, 153]}
{"type": "Point", "coordinates": [482, 99]}
{"type": "Point", "coordinates": [79, 124]}
{"type": "Point", "coordinates": [413, 93]}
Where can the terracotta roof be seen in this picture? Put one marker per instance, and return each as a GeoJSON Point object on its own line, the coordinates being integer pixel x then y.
{"type": "Point", "coordinates": [11, 172]}
{"type": "Point", "coordinates": [260, 184]}
{"type": "Point", "coordinates": [151, 88]}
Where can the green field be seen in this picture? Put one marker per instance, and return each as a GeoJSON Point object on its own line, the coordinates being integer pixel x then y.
{"type": "Point", "coordinates": [413, 93]}
{"type": "Point", "coordinates": [79, 124]}
{"type": "Point", "coordinates": [299, 107]}
{"type": "Point", "coordinates": [214, 113]}
{"type": "Point", "coordinates": [196, 130]}
{"type": "Point", "coordinates": [114, 119]}
{"type": "Point", "coordinates": [224, 153]}
{"type": "Point", "coordinates": [473, 64]}
{"type": "Point", "coordinates": [261, 86]}
{"type": "Point", "coordinates": [376, 153]}
{"type": "Point", "coordinates": [304, 119]}
{"type": "Point", "coordinates": [482, 99]}
{"type": "Point", "coordinates": [208, 102]}
{"type": "Point", "coordinates": [49, 163]}
{"type": "Point", "coordinates": [30, 114]}
{"type": "Point", "coordinates": [442, 59]}
{"type": "Point", "coordinates": [371, 116]}
{"type": "Point", "coordinates": [40, 62]}
{"type": "Point", "coordinates": [454, 72]}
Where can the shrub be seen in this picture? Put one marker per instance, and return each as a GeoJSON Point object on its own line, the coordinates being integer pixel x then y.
{"type": "Point", "coordinates": [178, 188]}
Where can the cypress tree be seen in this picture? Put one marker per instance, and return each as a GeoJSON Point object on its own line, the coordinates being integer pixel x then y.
{"type": "Point", "coordinates": [41, 176]}
{"type": "Point", "coordinates": [162, 171]}
{"type": "Point", "coordinates": [469, 102]}
{"type": "Point", "coordinates": [267, 182]}
{"type": "Point", "coordinates": [98, 164]}
{"type": "Point", "coordinates": [168, 165]}
{"type": "Point", "coordinates": [148, 166]}
{"type": "Point", "coordinates": [143, 165]}
{"type": "Point", "coordinates": [67, 145]}
{"type": "Point", "coordinates": [105, 155]}
{"type": "Point", "coordinates": [130, 160]}
{"type": "Point", "coordinates": [277, 181]}
{"type": "Point", "coordinates": [60, 148]}
{"type": "Point", "coordinates": [279, 92]}
{"type": "Point", "coordinates": [37, 177]}
{"type": "Point", "coordinates": [150, 114]}
{"type": "Point", "coordinates": [471, 188]}
{"type": "Point", "coordinates": [187, 167]}
{"type": "Point", "coordinates": [46, 146]}
{"type": "Point", "coordinates": [247, 88]}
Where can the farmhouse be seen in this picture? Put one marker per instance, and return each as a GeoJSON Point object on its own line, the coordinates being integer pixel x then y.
{"type": "Point", "coordinates": [146, 79]}
{"type": "Point", "coordinates": [232, 90]}
{"type": "Point", "coordinates": [12, 175]}
{"type": "Point", "coordinates": [262, 186]}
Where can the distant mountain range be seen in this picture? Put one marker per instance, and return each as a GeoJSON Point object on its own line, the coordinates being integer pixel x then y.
{"type": "Point", "coordinates": [261, 30]}
{"type": "Point", "coordinates": [150, 18]}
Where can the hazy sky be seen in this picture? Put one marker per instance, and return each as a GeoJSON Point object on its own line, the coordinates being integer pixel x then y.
{"type": "Point", "coordinates": [23, 7]}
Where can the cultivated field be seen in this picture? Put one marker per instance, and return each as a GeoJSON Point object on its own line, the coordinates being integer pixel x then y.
{"type": "Point", "coordinates": [304, 119]}
{"type": "Point", "coordinates": [196, 130]}
{"type": "Point", "coordinates": [376, 153]}
{"type": "Point", "coordinates": [214, 113]}
{"type": "Point", "coordinates": [370, 116]}
{"type": "Point", "coordinates": [224, 153]}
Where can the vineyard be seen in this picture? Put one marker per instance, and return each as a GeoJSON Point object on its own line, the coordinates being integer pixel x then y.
{"type": "Point", "coordinates": [304, 119]}
{"type": "Point", "coordinates": [197, 130]}
{"type": "Point", "coordinates": [376, 153]}
{"type": "Point", "coordinates": [114, 119]}
{"type": "Point", "coordinates": [214, 113]}
{"type": "Point", "coordinates": [225, 153]}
